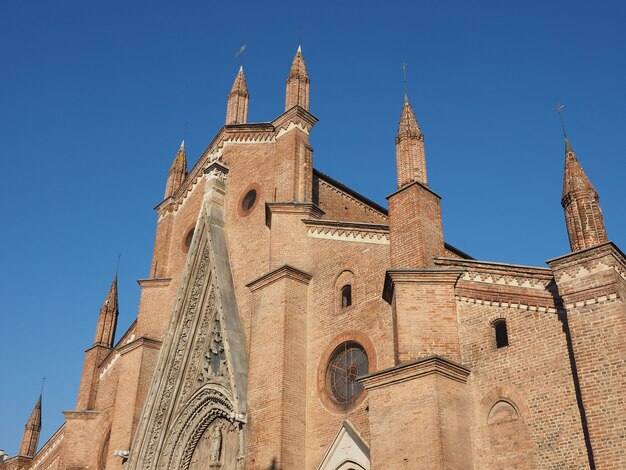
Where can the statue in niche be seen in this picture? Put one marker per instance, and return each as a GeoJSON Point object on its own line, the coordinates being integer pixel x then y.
{"type": "Point", "coordinates": [218, 448]}
{"type": "Point", "coordinates": [216, 445]}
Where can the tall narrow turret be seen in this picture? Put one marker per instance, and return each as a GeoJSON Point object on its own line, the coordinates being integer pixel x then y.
{"type": "Point", "coordinates": [177, 172]}
{"type": "Point", "coordinates": [31, 432]}
{"type": "Point", "coordinates": [298, 86]}
{"type": "Point", "coordinates": [415, 228]}
{"type": "Point", "coordinates": [107, 321]}
{"type": "Point", "coordinates": [583, 216]}
{"type": "Point", "coordinates": [237, 108]}
{"type": "Point", "coordinates": [102, 345]}
{"type": "Point", "coordinates": [410, 154]}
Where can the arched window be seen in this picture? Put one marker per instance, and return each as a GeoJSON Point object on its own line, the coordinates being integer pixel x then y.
{"type": "Point", "coordinates": [346, 296]}
{"type": "Point", "coordinates": [502, 337]}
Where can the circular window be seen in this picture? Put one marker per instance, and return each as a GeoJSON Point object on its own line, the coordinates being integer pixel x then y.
{"type": "Point", "coordinates": [249, 200]}
{"type": "Point", "coordinates": [347, 362]}
{"type": "Point", "coordinates": [188, 239]}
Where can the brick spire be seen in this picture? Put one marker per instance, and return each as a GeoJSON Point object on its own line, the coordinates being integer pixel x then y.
{"type": "Point", "coordinates": [583, 216]}
{"type": "Point", "coordinates": [31, 432]}
{"type": "Point", "coordinates": [410, 153]}
{"type": "Point", "coordinates": [178, 171]}
{"type": "Point", "coordinates": [107, 321]}
{"type": "Point", "coordinates": [298, 86]}
{"type": "Point", "coordinates": [237, 108]}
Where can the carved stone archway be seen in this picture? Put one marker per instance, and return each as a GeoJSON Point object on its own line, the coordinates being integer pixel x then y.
{"type": "Point", "coordinates": [208, 408]}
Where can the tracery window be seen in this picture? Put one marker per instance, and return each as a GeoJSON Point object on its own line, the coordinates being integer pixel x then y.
{"type": "Point", "coordinates": [347, 362]}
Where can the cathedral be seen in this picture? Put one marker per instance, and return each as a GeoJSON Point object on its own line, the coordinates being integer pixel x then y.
{"type": "Point", "coordinates": [289, 322]}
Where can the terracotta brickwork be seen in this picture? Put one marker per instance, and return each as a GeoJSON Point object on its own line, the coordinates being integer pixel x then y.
{"type": "Point", "coordinates": [331, 329]}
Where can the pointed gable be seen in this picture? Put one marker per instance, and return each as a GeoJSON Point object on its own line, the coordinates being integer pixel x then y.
{"type": "Point", "coordinates": [347, 451]}
{"type": "Point", "coordinates": [198, 396]}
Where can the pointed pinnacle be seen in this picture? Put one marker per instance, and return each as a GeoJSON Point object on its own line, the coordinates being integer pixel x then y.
{"type": "Point", "coordinates": [408, 122]}
{"type": "Point", "coordinates": [298, 67]}
{"type": "Point", "coordinates": [239, 85]}
{"type": "Point", "coordinates": [110, 302]}
{"type": "Point", "coordinates": [574, 179]}
{"type": "Point", "coordinates": [182, 145]}
{"type": "Point", "coordinates": [35, 417]}
{"type": "Point", "coordinates": [568, 147]}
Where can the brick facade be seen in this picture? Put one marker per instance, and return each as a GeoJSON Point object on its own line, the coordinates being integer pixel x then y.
{"type": "Point", "coordinates": [284, 241]}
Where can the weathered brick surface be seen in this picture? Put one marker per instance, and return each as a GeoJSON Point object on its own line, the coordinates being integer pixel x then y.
{"type": "Point", "coordinates": [466, 403]}
{"type": "Point", "coordinates": [415, 227]}
{"type": "Point", "coordinates": [592, 285]}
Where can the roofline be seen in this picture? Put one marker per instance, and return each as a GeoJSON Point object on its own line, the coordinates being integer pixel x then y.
{"type": "Point", "coordinates": [494, 263]}
{"type": "Point", "coordinates": [458, 252]}
{"type": "Point", "coordinates": [351, 192]}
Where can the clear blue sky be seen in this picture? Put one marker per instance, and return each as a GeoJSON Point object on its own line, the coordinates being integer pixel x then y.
{"type": "Point", "coordinates": [96, 97]}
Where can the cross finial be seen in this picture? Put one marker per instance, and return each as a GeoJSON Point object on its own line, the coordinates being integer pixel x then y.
{"type": "Point", "coordinates": [241, 50]}
{"type": "Point", "coordinates": [43, 382]}
{"type": "Point", "coordinates": [404, 77]}
{"type": "Point", "coordinates": [117, 267]}
{"type": "Point", "coordinates": [559, 109]}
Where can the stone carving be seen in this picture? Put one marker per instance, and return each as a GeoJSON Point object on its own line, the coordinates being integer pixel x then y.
{"type": "Point", "coordinates": [215, 357]}
{"type": "Point", "coordinates": [216, 174]}
{"type": "Point", "coordinates": [178, 355]}
{"type": "Point", "coordinates": [216, 445]}
{"type": "Point", "coordinates": [194, 414]}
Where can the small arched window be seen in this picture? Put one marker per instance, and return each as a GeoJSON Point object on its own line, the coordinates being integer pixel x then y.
{"type": "Point", "coordinates": [502, 337]}
{"type": "Point", "coordinates": [346, 296]}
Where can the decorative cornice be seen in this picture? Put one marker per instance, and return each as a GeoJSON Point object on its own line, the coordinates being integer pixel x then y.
{"type": "Point", "coordinates": [427, 276]}
{"type": "Point", "coordinates": [295, 115]}
{"type": "Point", "coordinates": [49, 449]}
{"type": "Point", "coordinates": [248, 134]}
{"type": "Point", "coordinates": [81, 414]}
{"type": "Point", "coordinates": [124, 346]}
{"type": "Point", "coordinates": [142, 341]}
{"type": "Point", "coordinates": [518, 303]}
{"type": "Point", "coordinates": [410, 185]}
{"type": "Point", "coordinates": [348, 231]}
{"type": "Point", "coordinates": [306, 209]}
{"type": "Point", "coordinates": [294, 208]}
{"type": "Point", "coordinates": [592, 260]}
{"type": "Point", "coordinates": [285, 271]}
{"type": "Point", "coordinates": [412, 370]}
{"type": "Point", "coordinates": [598, 295]}
{"type": "Point", "coordinates": [500, 274]}
{"type": "Point", "coordinates": [588, 254]}
{"type": "Point", "coordinates": [109, 365]}
{"type": "Point", "coordinates": [154, 282]}
{"type": "Point", "coordinates": [216, 170]}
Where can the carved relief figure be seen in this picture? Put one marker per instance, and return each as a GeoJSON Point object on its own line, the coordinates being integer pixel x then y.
{"type": "Point", "coordinates": [216, 445]}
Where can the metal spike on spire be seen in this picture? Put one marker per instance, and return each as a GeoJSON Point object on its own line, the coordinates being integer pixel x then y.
{"type": "Point", "coordinates": [559, 110]}
{"type": "Point", "coordinates": [117, 267]}
{"type": "Point", "coordinates": [241, 50]}
{"type": "Point", "coordinates": [404, 79]}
